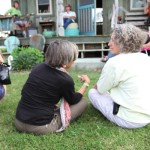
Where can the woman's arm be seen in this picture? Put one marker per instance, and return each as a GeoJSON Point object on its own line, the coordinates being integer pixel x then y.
{"type": "Point", "coordinates": [68, 90]}
{"type": "Point", "coordinates": [1, 61]}
{"type": "Point", "coordinates": [146, 45]}
{"type": "Point", "coordinates": [86, 81]}
{"type": "Point", "coordinates": [8, 12]}
{"type": "Point", "coordinates": [109, 78]}
{"type": "Point", "coordinates": [1, 58]}
{"type": "Point", "coordinates": [72, 16]}
{"type": "Point", "coordinates": [146, 9]}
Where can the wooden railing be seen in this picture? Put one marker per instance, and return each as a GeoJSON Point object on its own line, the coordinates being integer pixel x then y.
{"type": "Point", "coordinates": [137, 19]}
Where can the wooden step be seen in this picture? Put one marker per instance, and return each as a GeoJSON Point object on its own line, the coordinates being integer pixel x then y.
{"type": "Point", "coordinates": [135, 14]}
{"type": "Point", "coordinates": [136, 18]}
{"type": "Point", "coordinates": [136, 23]}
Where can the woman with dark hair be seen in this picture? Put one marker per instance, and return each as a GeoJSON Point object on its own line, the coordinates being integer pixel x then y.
{"type": "Point", "coordinates": [122, 92]}
{"type": "Point", "coordinates": [14, 10]}
{"type": "Point", "coordinates": [47, 84]}
{"type": "Point", "coordinates": [16, 13]}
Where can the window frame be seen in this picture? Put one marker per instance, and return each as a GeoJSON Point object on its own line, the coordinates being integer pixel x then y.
{"type": "Point", "coordinates": [132, 7]}
{"type": "Point", "coordinates": [49, 13]}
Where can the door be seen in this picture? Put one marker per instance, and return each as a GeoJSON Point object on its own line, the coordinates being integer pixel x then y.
{"type": "Point", "coordinates": [87, 17]}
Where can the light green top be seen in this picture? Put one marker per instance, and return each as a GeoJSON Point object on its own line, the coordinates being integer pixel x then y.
{"type": "Point", "coordinates": [13, 11]}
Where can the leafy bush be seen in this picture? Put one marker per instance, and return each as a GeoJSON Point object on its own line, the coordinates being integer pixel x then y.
{"type": "Point", "coordinates": [3, 49]}
{"type": "Point", "coordinates": [26, 58]}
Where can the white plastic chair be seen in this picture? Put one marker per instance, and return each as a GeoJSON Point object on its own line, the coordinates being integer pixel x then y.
{"type": "Point", "coordinates": [11, 43]}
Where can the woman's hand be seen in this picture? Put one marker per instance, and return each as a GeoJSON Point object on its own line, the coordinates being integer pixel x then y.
{"type": "Point", "coordinates": [95, 87]}
{"type": "Point", "coordinates": [84, 78]}
{"type": "Point", "coordinates": [1, 59]}
{"type": "Point", "coordinates": [65, 17]}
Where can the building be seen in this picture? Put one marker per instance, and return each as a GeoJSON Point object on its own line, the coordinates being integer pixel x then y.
{"type": "Point", "coordinates": [93, 16]}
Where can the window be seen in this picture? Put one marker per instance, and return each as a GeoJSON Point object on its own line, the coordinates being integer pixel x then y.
{"type": "Point", "coordinates": [137, 4]}
{"type": "Point", "coordinates": [44, 7]}
{"type": "Point", "coordinates": [99, 14]}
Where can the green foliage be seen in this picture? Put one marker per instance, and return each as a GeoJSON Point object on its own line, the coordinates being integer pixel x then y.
{"type": "Point", "coordinates": [26, 58]}
{"type": "Point", "coordinates": [3, 49]}
{"type": "Point", "coordinates": [89, 132]}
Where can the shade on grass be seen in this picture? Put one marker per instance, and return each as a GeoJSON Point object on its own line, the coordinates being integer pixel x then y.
{"type": "Point", "coordinates": [90, 132]}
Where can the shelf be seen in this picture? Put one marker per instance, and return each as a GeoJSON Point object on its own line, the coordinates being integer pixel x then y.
{"type": "Point", "coordinates": [92, 49]}
{"type": "Point", "coordinates": [49, 25]}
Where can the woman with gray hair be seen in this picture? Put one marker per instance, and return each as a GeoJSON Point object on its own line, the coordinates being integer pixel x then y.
{"type": "Point", "coordinates": [47, 84]}
{"type": "Point", "coordinates": [122, 91]}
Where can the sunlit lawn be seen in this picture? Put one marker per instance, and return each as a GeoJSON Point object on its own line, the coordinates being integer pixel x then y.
{"type": "Point", "coordinates": [90, 132]}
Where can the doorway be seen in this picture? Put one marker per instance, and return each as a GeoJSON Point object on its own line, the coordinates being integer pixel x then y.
{"type": "Point", "coordinates": [90, 17]}
{"type": "Point", "coordinates": [87, 17]}
{"type": "Point", "coordinates": [99, 17]}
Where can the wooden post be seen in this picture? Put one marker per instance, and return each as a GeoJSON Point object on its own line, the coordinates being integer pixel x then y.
{"type": "Point", "coordinates": [107, 12]}
{"type": "Point", "coordinates": [59, 16]}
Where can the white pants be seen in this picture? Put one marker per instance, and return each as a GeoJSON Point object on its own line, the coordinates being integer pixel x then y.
{"type": "Point", "coordinates": [104, 103]}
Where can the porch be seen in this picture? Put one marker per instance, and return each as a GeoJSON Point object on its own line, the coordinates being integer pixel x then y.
{"type": "Point", "coordinates": [89, 46]}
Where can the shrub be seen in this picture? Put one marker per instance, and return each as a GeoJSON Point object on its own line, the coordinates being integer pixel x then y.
{"type": "Point", "coordinates": [3, 49]}
{"type": "Point", "coordinates": [26, 58]}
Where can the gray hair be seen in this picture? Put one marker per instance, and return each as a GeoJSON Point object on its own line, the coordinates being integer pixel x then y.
{"type": "Point", "coordinates": [129, 38]}
{"type": "Point", "coordinates": [61, 52]}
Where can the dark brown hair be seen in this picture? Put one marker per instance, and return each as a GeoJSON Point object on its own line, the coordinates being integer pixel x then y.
{"type": "Point", "coordinates": [68, 5]}
{"type": "Point", "coordinates": [14, 2]}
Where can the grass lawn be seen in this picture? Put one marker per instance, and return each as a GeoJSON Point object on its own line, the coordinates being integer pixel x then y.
{"type": "Point", "coordinates": [90, 132]}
